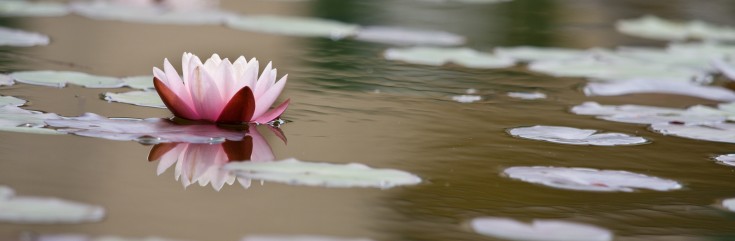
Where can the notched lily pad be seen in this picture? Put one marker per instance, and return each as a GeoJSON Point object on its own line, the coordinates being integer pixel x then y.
{"type": "Point", "coordinates": [440, 56]}
{"type": "Point", "coordinates": [140, 98]}
{"type": "Point", "coordinates": [539, 230]}
{"type": "Point", "coordinates": [574, 136]}
{"type": "Point", "coordinates": [61, 78]}
{"type": "Point", "coordinates": [657, 28]}
{"type": "Point", "coordinates": [587, 179]}
{"type": "Point", "coordinates": [296, 26]}
{"type": "Point", "coordinates": [22, 8]}
{"type": "Point", "coordinates": [406, 36]}
{"type": "Point", "coordinates": [299, 238]}
{"type": "Point", "coordinates": [295, 172]}
{"type": "Point", "coordinates": [20, 38]}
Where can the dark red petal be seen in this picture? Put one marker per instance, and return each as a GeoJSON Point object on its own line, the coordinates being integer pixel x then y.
{"type": "Point", "coordinates": [159, 150]}
{"type": "Point", "coordinates": [171, 100]}
{"type": "Point", "coordinates": [241, 105]}
{"type": "Point", "coordinates": [239, 150]}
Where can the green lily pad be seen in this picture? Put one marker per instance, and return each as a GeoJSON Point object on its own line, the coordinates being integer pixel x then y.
{"type": "Point", "coordinates": [295, 172]}
{"type": "Point", "coordinates": [530, 53]}
{"type": "Point", "coordinates": [615, 70]}
{"type": "Point", "coordinates": [140, 98]}
{"type": "Point", "coordinates": [15, 119]}
{"type": "Point", "coordinates": [45, 210]}
{"type": "Point", "coordinates": [6, 80]}
{"type": "Point", "coordinates": [296, 26]}
{"type": "Point", "coordinates": [61, 78]}
{"type": "Point", "coordinates": [144, 82]}
{"type": "Point", "coordinates": [21, 8]}
{"type": "Point", "coordinates": [20, 38]}
{"type": "Point", "coordinates": [437, 56]}
{"type": "Point", "coordinates": [10, 100]}
{"type": "Point", "coordinates": [104, 10]}
{"type": "Point", "coordinates": [657, 28]}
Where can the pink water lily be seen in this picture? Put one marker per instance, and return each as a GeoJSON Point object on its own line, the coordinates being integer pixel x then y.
{"type": "Point", "coordinates": [220, 91]}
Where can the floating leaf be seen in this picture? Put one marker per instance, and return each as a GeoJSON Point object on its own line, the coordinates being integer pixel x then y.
{"type": "Point", "coordinates": [406, 36]}
{"type": "Point", "coordinates": [539, 230]}
{"type": "Point", "coordinates": [529, 53]}
{"type": "Point", "coordinates": [6, 80]}
{"type": "Point", "coordinates": [639, 114]}
{"type": "Point", "coordinates": [587, 179]}
{"type": "Point", "coordinates": [139, 82]}
{"type": "Point", "coordinates": [659, 86]}
{"type": "Point", "coordinates": [61, 78]}
{"type": "Point", "coordinates": [289, 25]}
{"type": "Point", "coordinates": [527, 95]}
{"type": "Point", "coordinates": [10, 100]}
{"type": "Point", "coordinates": [440, 56]}
{"type": "Point", "coordinates": [725, 67]}
{"type": "Point", "coordinates": [141, 98]}
{"type": "Point", "coordinates": [80, 237]}
{"type": "Point", "coordinates": [728, 159]}
{"type": "Point", "coordinates": [6, 192]}
{"type": "Point", "coordinates": [720, 132]}
{"type": "Point", "coordinates": [20, 38]}
{"type": "Point", "coordinates": [574, 136]}
{"type": "Point", "coordinates": [149, 131]}
{"type": "Point", "coordinates": [662, 29]}
{"type": "Point", "coordinates": [15, 119]}
{"type": "Point", "coordinates": [103, 10]}
{"type": "Point", "coordinates": [615, 69]}
{"type": "Point", "coordinates": [299, 238]}
{"type": "Point", "coordinates": [466, 98]}
{"type": "Point", "coordinates": [47, 210]}
{"type": "Point", "coordinates": [729, 204]}
{"type": "Point", "coordinates": [22, 8]}
{"type": "Point", "coordinates": [295, 172]}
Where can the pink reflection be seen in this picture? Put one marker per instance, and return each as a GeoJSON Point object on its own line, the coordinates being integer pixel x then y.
{"type": "Point", "coordinates": [202, 163]}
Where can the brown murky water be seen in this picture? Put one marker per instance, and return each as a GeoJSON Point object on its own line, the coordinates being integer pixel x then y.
{"type": "Point", "coordinates": [351, 105]}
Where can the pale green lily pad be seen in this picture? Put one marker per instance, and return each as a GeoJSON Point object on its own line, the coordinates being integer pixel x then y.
{"type": "Point", "coordinates": [575, 136]}
{"type": "Point", "coordinates": [539, 230]}
{"type": "Point", "coordinates": [140, 98]}
{"type": "Point", "coordinates": [728, 160]}
{"type": "Point", "coordinates": [635, 86]}
{"type": "Point", "coordinates": [61, 78]}
{"type": "Point", "coordinates": [529, 53]}
{"type": "Point", "coordinates": [588, 179]}
{"type": "Point", "coordinates": [289, 25]}
{"type": "Point", "coordinates": [718, 132]}
{"type": "Point", "coordinates": [466, 98]}
{"type": "Point", "coordinates": [615, 70]}
{"type": "Point", "coordinates": [81, 237]}
{"type": "Point", "coordinates": [6, 192]}
{"type": "Point", "coordinates": [295, 172]}
{"type": "Point", "coordinates": [102, 10]}
{"type": "Point", "coordinates": [299, 238]}
{"type": "Point", "coordinates": [44, 210]}
{"type": "Point", "coordinates": [729, 204]}
{"type": "Point", "coordinates": [15, 119]}
{"type": "Point", "coordinates": [407, 36]}
{"type": "Point", "coordinates": [440, 56]}
{"type": "Point", "coordinates": [144, 82]}
{"type": "Point", "coordinates": [657, 28]}
{"type": "Point", "coordinates": [6, 80]}
{"type": "Point", "coordinates": [10, 100]}
{"type": "Point", "coordinates": [21, 8]}
{"type": "Point", "coordinates": [527, 95]}
{"type": "Point", "coordinates": [639, 114]}
{"type": "Point", "coordinates": [20, 38]}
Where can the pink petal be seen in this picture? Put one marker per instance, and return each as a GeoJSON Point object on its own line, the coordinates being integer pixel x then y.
{"type": "Point", "coordinates": [261, 151]}
{"type": "Point", "coordinates": [175, 83]}
{"type": "Point", "coordinates": [177, 106]}
{"type": "Point", "coordinates": [264, 81]}
{"type": "Point", "coordinates": [273, 114]}
{"type": "Point", "coordinates": [205, 95]}
{"type": "Point", "coordinates": [266, 100]}
{"type": "Point", "coordinates": [228, 81]}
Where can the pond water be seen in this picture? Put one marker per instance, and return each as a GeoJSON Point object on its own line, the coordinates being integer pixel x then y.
{"type": "Point", "coordinates": [349, 104]}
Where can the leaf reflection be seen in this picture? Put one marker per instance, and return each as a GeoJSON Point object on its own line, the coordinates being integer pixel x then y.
{"type": "Point", "coordinates": [202, 162]}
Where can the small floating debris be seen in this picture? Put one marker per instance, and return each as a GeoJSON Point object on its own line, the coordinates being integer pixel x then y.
{"type": "Point", "coordinates": [437, 56]}
{"type": "Point", "coordinates": [587, 179]}
{"type": "Point", "coordinates": [295, 26]}
{"type": "Point", "coordinates": [527, 95]}
{"type": "Point", "coordinates": [661, 29]}
{"type": "Point", "coordinates": [539, 230]}
{"type": "Point", "coordinates": [407, 36]}
{"type": "Point", "coordinates": [20, 38]}
{"type": "Point", "coordinates": [295, 172]}
{"type": "Point", "coordinates": [22, 8]}
{"type": "Point", "coordinates": [575, 136]}
{"type": "Point", "coordinates": [139, 98]}
{"type": "Point", "coordinates": [728, 159]}
{"type": "Point", "coordinates": [466, 98]}
{"type": "Point", "coordinates": [61, 78]}
{"type": "Point", "coordinates": [45, 210]}
{"type": "Point", "coordinates": [299, 238]}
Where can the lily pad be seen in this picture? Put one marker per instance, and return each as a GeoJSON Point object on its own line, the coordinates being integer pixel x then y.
{"type": "Point", "coordinates": [574, 136]}
{"type": "Point", "coordinates": [20, 38]}
{"type": "Point", "coordinates": [299, 238]}
{"type": "Point", "coordinates": [529, 53]}
{"type": "Point", "coordinates": [103, 10]}
{"type": "Point", "coordinates": [296, 26]}
{"type": "Point", "coordinates": [728, 159]}
{"type": "Point", "coordinates": [12, 101]}
{"type": "Point", "coordinates": [6, 80]}
{"type": "Point", "coordinates": [527, 95]}
{"type": "Point", "coordinates": [719, 132]}
{"type": "Point", "coordinates": [6, 192]}
{"type": "Point", "coordinates": [141, 98]}
{"type": "Point", "coordinates": [15, 119]}
{"type": "Point", "coordinates": [636, 86]}
{"type": "Point", "coordinates": [295, 172]}
{"type": "Point", "coordinates": [61, 78]}
{"type": "Point", "coordinates": [41, 210]}
{"type": "Point", "coordinates": [81, 237]}
{"type": "Point", "coordinates": [587, 179]}
{"type": "Point", "coordinates": [657, 28]}
{"type": "Point", "coordinates": [144, 82]}
{"type": "Point", "coordinates": [639, 114]}
{"type": "Point", "coordinates": [406, 36]}
{"type": "Point", "coordinates": [22, 8]}
{"type": "Point", "coordinates": [616, 70]}
{"type": "Point", "coordinates": [148, 131]}
{"type": "Point", "coordinates": [539, 229]}
{"type": "Point", "coordinates": [466, 98]}
{"type": "Point", "coordinates": [729, 204]}
{"type": "Point", "coordinates": [440, 56]}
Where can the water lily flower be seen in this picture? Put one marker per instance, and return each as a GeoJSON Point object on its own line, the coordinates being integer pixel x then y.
{"type": "Point", "coordinates": [220, 91]}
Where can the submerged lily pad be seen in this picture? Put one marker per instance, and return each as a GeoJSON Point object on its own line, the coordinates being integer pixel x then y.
{"type": "Point", "coordinates": [295, 172]}
{"type": "Point", "coordinates": [141, 98]}
{"type": "Point", "coordinates": [527, 95]}
{"type": "Point", "coordinates": [587, 179]}
{"type": "Point", "coordinates": [149, 131]}
{"type": "Point", "coordinates": [20, 38]}
{"type": "Point", "coordinates": [22, 8]}
{"type": "Point", "coordinates": [719, 132]}
{"type": "Point", "coordinates": [103, 10]}
{"type": "Point", "coordinates": [139, 82]}
{"type": "Point", "coordinates": [657, 28]}
{"type": "Point", "coordinates": [40, 210]}
{"type": "Point", "coordinates": [659, 86]}
{"type": "Point", "coordinates": [299, 238]}
{"type": "Point", "coordinates": [406, 36]}
{"type": "Point", "coordinates": [539, 230]}
{"type": "Point", "coordinates": [440, 56]}
{"type": "Point", "coordinates": [61, 78]}
{"type": "Point", "coordinates": [289, 25]}
{"type": "Point", "coordinates": [574, 136]}
{"type": "Point", "coordinates": [728, 159]}
{"type": "Point", "coordinates": [15, 119]}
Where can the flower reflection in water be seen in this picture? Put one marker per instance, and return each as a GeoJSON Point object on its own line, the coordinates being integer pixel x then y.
{"type": "Point", "coordinates": [202, 163]}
